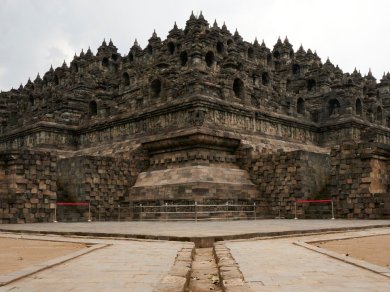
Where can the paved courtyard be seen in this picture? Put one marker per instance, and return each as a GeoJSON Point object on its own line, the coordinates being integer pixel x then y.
{"type": "Point", "coordinates": [265, 253]}
{"type": "Point", "coordinates": [280, 265]}
{"type": "Point", "coordinates": [187, 230]}
{"type": "Point", "coordinates": [122, 265]}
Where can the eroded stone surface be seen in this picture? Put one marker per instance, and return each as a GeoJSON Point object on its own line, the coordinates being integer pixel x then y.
{"type": "Point", "coordinates": [202, 100]}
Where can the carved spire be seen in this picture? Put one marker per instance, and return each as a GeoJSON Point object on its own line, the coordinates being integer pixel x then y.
{"type": "Point", "coordinates": [175, 31]}
{"type": "Point", "coordinates": [136, 46]}
{"type": "Point", "coordinates": [89, 53]}
{"type": "Point", "coordinates": [369, 75]}
{"type": "Point", "coordinates": [224, 27]}
{"type": "Point", "coordinates": [237, 36]}
{"type": "Point", "coordinates": [64, 66]}
{"type": "Point", "coordinates": [154, 39]}
{"type": "Point", "coordinates": [201, 17]}
{"type": "Point", "coordinates": [215, 24]}
{"type": "Point", "coordinates": [38, 79]}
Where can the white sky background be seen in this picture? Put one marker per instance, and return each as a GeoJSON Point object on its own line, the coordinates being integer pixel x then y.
{"type": "Point", "coordinates": [37, 33]}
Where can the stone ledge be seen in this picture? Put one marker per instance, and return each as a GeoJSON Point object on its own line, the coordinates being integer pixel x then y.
{"type": "Point", "coordinates": [178, 277]}
{"type": "Point", "coordinates": [230, 275]}
{"type": "Point", "coordinates": [9, 278]}
{"type": "Point", "coordinates": [350, 260]}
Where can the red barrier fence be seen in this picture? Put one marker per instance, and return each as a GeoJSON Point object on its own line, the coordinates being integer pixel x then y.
{"type": "Point", "coordinates": [313, 201]}
{"type": "Point", "coordinates": [73, 204]}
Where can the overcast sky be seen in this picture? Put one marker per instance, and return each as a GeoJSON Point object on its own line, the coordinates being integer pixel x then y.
{"type": "Point", "coordinates": [37, 33]}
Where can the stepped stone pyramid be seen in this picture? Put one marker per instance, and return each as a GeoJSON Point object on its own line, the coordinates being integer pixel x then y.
{"type": "Point", "coordinates": [202, 116]}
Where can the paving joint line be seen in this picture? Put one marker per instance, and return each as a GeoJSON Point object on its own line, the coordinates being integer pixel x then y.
{"type": "Point", "coordinates": [12, 277]}
{"type": "Point", "coordinates": [384, 271]}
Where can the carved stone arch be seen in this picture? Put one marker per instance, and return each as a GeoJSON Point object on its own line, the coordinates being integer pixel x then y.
{"type": "Point", "coordinates": [183, 58]}
{"type": "Point", "coordinates": [31, 100]}
{"type": "Point", "coordinates": [334, 106]}
{"type": "Point", "coordinates": [115, 57]}
{"type": "Point", "coordinates": [105, 62]}
{"type": "Point", "coordinates": [265, 78]}
{"type": "Point", "coordinates": [75, 67]}
{"type": "Point", "coordinates": [239, 88]}
{"type": "Point", "coordinates": [155, 88]}
{"type": "Point", "coordinates": [125, 79]}
{"type": "Point", "coordinates": [358, 107]}
{"type": "Point", "coordinates": [269, 59]}
{"type": "Point", "coordinates": [311, 85]}
{"type": "Point", "coordinates": [251, 53]}
{"type": "Point", "coordinates": [131, 57]}
{"type": "Point", "coordinates": [93, 108]}
{"type": "Point", "coordinates": [149, 50]}
{"type": "Point", "coordinates": [210, 59]}
{"type": "Point", "coordinates": [379, 114]}
{"type": "Point", "coordinates": [296, 69]}
{"type": "Point", "coordinates": [300, 106]}
{"type": "Point", "coordinates": [171, 47]}
{"type": "Point", "coordinates": [220, 47]}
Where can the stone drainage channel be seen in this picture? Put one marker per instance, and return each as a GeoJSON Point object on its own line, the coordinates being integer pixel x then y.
{"type": "Point", "coordinates": [214, 269]}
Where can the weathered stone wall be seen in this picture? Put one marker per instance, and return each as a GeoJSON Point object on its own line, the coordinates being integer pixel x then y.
{"type": "Point", "coordinates": [102, 181]}
{"type": "Point", "coordinates": [282, 177]}
{"type": "Point", "coordinates": [40, 135]}
{"type": "Point", "coordinates": [360, 179]}
{"type": "Point", "coordinates": [28, 189]}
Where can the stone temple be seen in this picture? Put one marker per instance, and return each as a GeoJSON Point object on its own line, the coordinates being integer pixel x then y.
{"type": "Point", "coordinates": [202, 116]}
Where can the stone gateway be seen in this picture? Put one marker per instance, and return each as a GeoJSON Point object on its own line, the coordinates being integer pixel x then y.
{"type": "Point", "coordinates": [202, 116]}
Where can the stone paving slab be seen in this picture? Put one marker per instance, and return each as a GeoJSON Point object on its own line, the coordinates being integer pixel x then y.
{"type": "Point", "coordinates": [123, 265]}
{"type": "Point", "coordinates": [203, 233]}
{"type": "Point", "coordinates": [280, 265]}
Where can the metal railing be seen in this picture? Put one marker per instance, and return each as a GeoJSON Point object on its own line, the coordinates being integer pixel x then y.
{"type": "Point", "coordinates": [313, 201]}
{"type": "Point", "coordinates": [178, 212]}
{"type": "Point", "coordinates": [195, 211]}
{"type": "Point", "coordinates": [72, 204]}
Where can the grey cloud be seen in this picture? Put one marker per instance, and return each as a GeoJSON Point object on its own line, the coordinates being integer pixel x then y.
{"type": "Point", "coordinates": [38, 33]}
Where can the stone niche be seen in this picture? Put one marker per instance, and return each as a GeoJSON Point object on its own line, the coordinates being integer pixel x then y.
{"type": "Point", "coordinates": [194, 167]}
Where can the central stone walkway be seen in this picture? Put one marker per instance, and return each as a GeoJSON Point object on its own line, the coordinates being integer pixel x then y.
{"type": "Point", "coordinates": [266, 263]}
{"type": "Point", "coordinates": [122, 266]}
{"type": "Point", "coordinates": [193, 231]}
{"type": "Point", "coordinates": [280, 265]}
